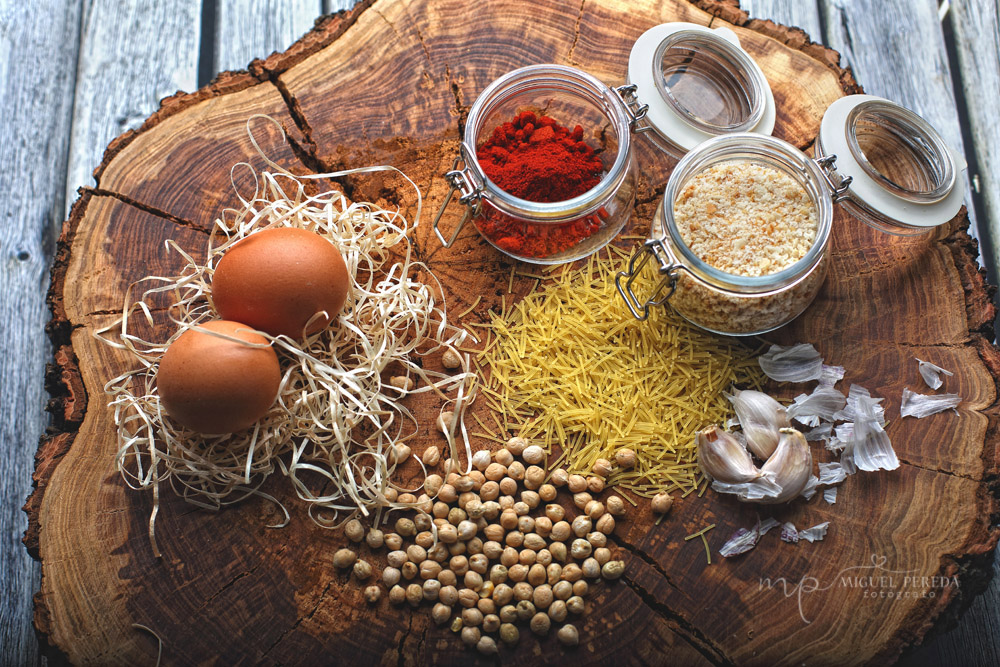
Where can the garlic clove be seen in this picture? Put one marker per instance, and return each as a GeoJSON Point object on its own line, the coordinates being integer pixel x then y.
{"type": "Point", "coordinates": [790, 466]}
{"type": "Point", "coordinates": [722, 457]}
{"type": "Point", "coordinates": [760, 417]}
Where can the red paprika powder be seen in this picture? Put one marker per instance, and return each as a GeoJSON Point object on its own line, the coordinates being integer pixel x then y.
{"type": "Point", "coordinates": [535, 158]}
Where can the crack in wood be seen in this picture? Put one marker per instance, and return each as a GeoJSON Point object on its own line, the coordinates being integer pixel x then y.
{"type": "Point", "coordinates": [646, 558]}
{"type": "Point", "coordinates": [146, 208]}
{"type": "Point", "coordinates": [299, 620]}
{"type": "Point", "coordinates": [400, 659]}
{"type": "Point", "coordinates": [576, 33]}
{"type": "Point", "coordinates": [683, 627]}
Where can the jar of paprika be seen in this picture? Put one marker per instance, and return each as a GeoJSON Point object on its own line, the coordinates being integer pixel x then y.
{"type": "Point", "coordinates": [545, 167]}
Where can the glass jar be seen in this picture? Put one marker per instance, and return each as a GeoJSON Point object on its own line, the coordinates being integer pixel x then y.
{"type": "Point", "coordinates": [713, 299]}
{"type": "Point", "coordinates": [547, 232]}
{"type": "Point", "coordinates": [894, 173]}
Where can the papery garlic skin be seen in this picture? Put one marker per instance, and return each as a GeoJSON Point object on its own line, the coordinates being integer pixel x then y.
{"type": "Point", "coordinates": [790, 466]}
{"type": "Point", "coordinates": [722, 457]}
{"type": "Point", "coordinates": [760, 417]}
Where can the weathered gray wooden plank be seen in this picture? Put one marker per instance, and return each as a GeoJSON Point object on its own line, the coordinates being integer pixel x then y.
{"type": "Point", "coordinates": [799, 13]}
{"type": "Point", "coordinates": [246, 30]}
{"type": "Point", "coordinates": [132, 54]}
{"type": "Point", "coordinates": [897, 50]}
{"type": "Point", "coordinates": [976, 30]}
{"type": "Point", "coordinates": [38, 52]}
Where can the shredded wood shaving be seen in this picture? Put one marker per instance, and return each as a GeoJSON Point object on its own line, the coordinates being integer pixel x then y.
{"type": "Point", "coordinates": [336, 416]}
{"type": "Point", "coordinates": [571, 368]}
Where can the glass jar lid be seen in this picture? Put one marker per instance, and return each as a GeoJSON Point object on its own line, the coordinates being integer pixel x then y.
{"type": "Point", "coordinates": [902, 176]}
{"type": "Point", "coordinates": [697, 83]}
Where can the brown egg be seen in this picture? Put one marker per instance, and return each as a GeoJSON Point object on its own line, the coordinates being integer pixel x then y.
{"type": "Point", "coordinates": [277, 279]}
{"type": "Point", "coordinates": [214, 385]}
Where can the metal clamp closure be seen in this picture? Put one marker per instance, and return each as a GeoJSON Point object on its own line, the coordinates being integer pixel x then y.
{"type": "Point", "coordinates": [668, 269]}
{"type": "Point", "coordinates": [470, 194]}
{"type": "Point", "coordinates": [636, 111]}
{"type": "Point", "coordinates": [839, 185]}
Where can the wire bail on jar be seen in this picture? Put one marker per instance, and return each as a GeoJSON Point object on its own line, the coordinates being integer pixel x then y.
{"type": "Point", "coordinates": [669, 269]}
{"type": "Point", "coordinates": [470, 188]}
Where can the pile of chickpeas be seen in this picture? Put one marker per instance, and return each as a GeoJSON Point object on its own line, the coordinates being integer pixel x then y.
{"type": "Point", "coordinates": [493, 549]}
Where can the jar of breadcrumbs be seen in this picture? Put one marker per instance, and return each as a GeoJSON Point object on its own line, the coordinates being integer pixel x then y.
{"type": "Point", "coordinates": [739, 244]}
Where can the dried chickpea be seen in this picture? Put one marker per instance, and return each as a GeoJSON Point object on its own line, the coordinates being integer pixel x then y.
{"type": "Point", "coordinates": [516, 445]}
{"type": "Point", "coordinates": [568, 635]}
{"type": "Point", "coordinates": [372, 594]}
{"type": "Point", "coordinates": [391, 576]}
{"type": "Point", "coordinates": [523, 591]}
{"type": "Point", "coordinates": [478, 479]}
{"type": "Point", "coordinates": [471, 616]}
{"type": "Point", "coordinates": [444, 421]}
{"type": "Point", "coordinates": [491, 623]}
{"type": "Point", "coordinates": [397, 595]}
{"type": "Point", "coordinates": [580, 548]}
{"type": "Point", "coordinates": [344, 558]}
{"type": "Point", "coordinates": [432, 589]}
{"type": "Point", "coordinates": [547, 493]}
{"type": "Point", "coordinates": [405, 527]}
{"type": "Point", "coordinates": [486, 604]}
{"type": "Point", "coordinates": [517, 573]}
{"type": "Point", "coordinates": [526, 524]}
{"type": "Point", "coordinates": [534, 476]}
{"type": "Point", "coordinates": [407, 498]}
{"type": "Point", "coordinates": [464, 499]}
{"type": "Point", "coordinates": [602, 555]}
{"type": "Point", "coordinates": [597, 539]}
{"type": "Point", "coordinates": [595, 484]}
{"type": "Point", "coordinates": [509, 557]}
{"type": "Point", "coordinates": [390, 495]}
{"type": "Point", "coordinates": [457, 549]}
{"type": "Point", "coordinates": [448, 594]}
{"type": "Point", "coordinates": [441, 613]}
{"type": "Point", "coordinates": [459, 565]}
{"type": "Point", "coordinates": [521, 508]}
{"type": "Point", "coordinates": [508, 519]}
{"type": "Point", "coordinates": [591, 568]}
{"type": "Point", "coordinates": [409, 570]}
{"type": "Point", "coordinates": [438, 553]}
{"type": "Point", "coordinates": [398, 453]}
{"type": "Point", "coordinates": [527, 557]}
{"type": "Point", "coordinates": [581, 588]}
{"type": "Point", "coordinates": [625, 458]}
{"type": "Point", "coordinates": [375, 538]}
{"type": "Point", "coordinates": [536, 575]}
{"type": "Point", "coordinates": [402, 383]}
{"type": "Point", "coordinates": [354, 531]}
{"type": "Point", "coordinates": [544, 557]}
{"type": "Point", "coordinates": [543, 526]}
{"type": "Point", "coordinates": [470, 636]}
{"type": "Point", "coordinates": [542, 596]}
{"type": "Point", "coordinates": [451, 359]}
{"type": "Point", "coordinates": [452, 475]}
{"type": "Point", "coordinates": [481, 459]}
{"type": "Point", "coordinates": [467, 530]}
{"type": "Point", "coordinates": [494, 532]}
{"type": "Point", "coordinates": [489, 491]}
{"type": "Point", "coordinates": [662, 502]}
{"type": "Point", "coordinates": [430, 569]}
{"type": "Point", "coordinates": [525, 610]}
{"type": "Point", "coordinates": [495, 472]}
{"type": "Point", "coordinates": [540, 623]}
{"type": "Point", "coordinates": [447, 494]}
{"type": "Point", "coordinates": [503, 457]}
{"type": "Point", "coordinates": [514, 538]}
{"type": "Point", "coordinates": [416, 553]}
{"type": "Point", "coordinates": [606, 524]}
{"type": "Point", "coordinates": [559, 477]}
{"type": "Point", "coordinates": [582, 525]}
{"type": "Point", "coordinates": [533, 454]}
{"type": "Point", "coordinates": [601, 467]}
{"type": "Point", "coordinates": [448, 578]}
{"type": "Point", "coordinates": [516, 471]}
{"type": "Point", "coordinates": [553, 573]}
{"type": "Point", "coordinates": [581, 499]}
{"type": "Point", "coordinates": [456, 515]}
{"type": "Point", "coordinates": [431, 457]}
{"type": "Point", "coordinates": [439, 510]}
{"type": "Point", "coordinates": [559, 551]}
{"type": "Point", "coordinates": [479, 563]}
{"type": "Point", "coordinates": [571, 572]}
{"type": "Point", "coordinates": [362, 570]}
{"type": "Point", "coordinates": [509, 633]}
{"type": "Point", "coordinates": [594, 509]}
{"type": "Point", "coordinates": [534, 541]}
{"type": "Point", "coordinates": [531, 499]}
{"type": "Point", "coordinates": [492, 549]}
{"type": "Point", "coordinates": [508, 487]}
{"type": "Point", "coordinates": [502, 594]}
{"type": "Point", "coordinates": [447, 533]}
{"type": "Point", "coordinates": [414, 594]}
{"type": "Point", "coordinates": [508, 614]}
{"type": "Point", "coordinates": [473, 580]}
{"type": "Point", "coordinates": [561, 531]}
{"type": "Point", "coordinates": [393, 541]}
{"type": "Point", "coordinates": [576, 483]}
{"type": "Point", "coordinates": [468, 598]}
{"type": "Point", "coordinates": [464, 484]}
{"type": "Point", "coordinates": [616, 505]}
{"type": "Point", "coordinates": [557, 611]}
{"type": "Point", "coordinates": [613, 569]}
{"type": "Point", "coordinates": [424, 539]}
{"type": "Point", "coordinates": [491, 510]}
{"type": "Point", "coordinates": [562, 590]}
{"type": "Point", "coordinates": [554, 512]}
{"type": "Point", "coordinates": [576, 605]}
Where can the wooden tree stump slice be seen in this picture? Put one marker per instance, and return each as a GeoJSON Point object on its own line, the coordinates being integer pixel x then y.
{"type": "Point", "coordinates": [391, 83]}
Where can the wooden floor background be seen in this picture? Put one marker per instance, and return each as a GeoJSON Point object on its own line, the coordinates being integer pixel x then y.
{"type": "Point", "coordinates": [76, 73]}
